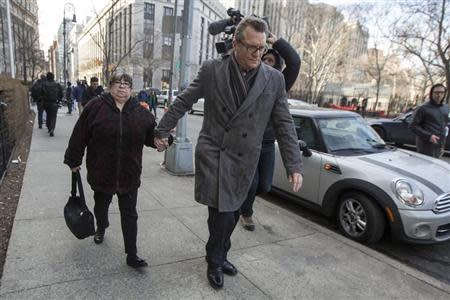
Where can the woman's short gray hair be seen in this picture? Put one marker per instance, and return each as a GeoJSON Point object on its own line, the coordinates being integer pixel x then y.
{"type": "Point", "coordinates": [258, 24]}
{"type": "Point", "coordinates": [121, 77]}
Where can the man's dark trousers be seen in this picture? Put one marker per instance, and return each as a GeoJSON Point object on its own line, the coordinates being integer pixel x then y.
{"type": "Point", "coordinates": [40, 108]}
{"type": "Point", "coordinates": [262, 181]}
{"type": "Point", "coordinates": [221, 226]}
{"type": "Point", "coordinates": [51, 109]}
{"type": "Point", "coordinates": [427, 148]}
{"type": "Point", "coordinates": [128, 216]}
{"type": "Point", "coordinates": [69, 105]}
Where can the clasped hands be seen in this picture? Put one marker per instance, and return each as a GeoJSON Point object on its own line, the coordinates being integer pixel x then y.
{"type": "Point", "coordinates": [161, 144]}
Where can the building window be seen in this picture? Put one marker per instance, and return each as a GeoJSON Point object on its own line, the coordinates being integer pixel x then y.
{"type": "Point", "coordinates": [207, 45]}
{"type": "Point", "coordinates": [148, 77]}
{"type": "Point", "coordinates": [165, 79]}
{"type": "Point", "coordinates": [148, 50]}
{"type": "Point", "coordinates": [129, 27]}
{"type": "Point", "coordinates": [167, 46]}
{"type": "Point", "coordinates": [120, 35]}
{"type": "Point", "coordinates": [202, 27]}
{"type": "Point", "coordinates": [168, 11]}
{"type": "Point", "coordinates": [149, 11]}
{"type": "Point", "coordinates": [125, 30]}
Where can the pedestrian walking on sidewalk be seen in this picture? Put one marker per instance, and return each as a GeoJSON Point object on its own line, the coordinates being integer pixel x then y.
{"type": "Point", "coordinates": [113, 127]}
{"type": "Point", "coordinates": [52, 94]}
{"type": "Point", "coordinates": [241, 97]}
{"type": "Point", "coordinates": [37, 95]}
{"type": "Point", "coordinates": [153, 102]}
{"type": "Point", "coordinates": [262, 181]}
{"type": "Point", "coordinates": [77, 94]}
{"type": "Point", "coordinates": [69, 97]}
{"type": "Point", "coordinates": [91, 91]}
{"type": "Point", "coordinates": [430, 122]}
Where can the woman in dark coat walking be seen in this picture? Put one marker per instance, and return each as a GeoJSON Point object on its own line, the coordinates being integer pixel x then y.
{"type": "Point", "coordinates": [114, 128]}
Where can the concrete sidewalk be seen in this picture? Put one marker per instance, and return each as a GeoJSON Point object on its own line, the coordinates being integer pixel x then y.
{"type": "Point", "coordinates": [286, 257]}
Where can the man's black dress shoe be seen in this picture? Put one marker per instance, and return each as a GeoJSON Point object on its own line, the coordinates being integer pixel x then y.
{"type": "Point", "coordinates": [99, 236]}
{"type": "Point", "coordinates": [215, 277]}
{"type": "Point", "coordinates": [135, 261]}
{"type": "Point", "coordinates": [229, 268]}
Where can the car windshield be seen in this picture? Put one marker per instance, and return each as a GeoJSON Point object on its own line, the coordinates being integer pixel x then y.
{"type": "Point", "coordinates": [350, 134]}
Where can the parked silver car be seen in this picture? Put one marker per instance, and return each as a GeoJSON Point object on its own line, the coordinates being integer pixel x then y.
{"type": "Point", "coordinates": [197, 106]}
{"type": "Point", "coordinates": [369, 187]}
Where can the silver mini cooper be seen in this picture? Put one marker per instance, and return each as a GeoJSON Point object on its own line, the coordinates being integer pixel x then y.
{"type": "Point", "coordinates": [370, 188]}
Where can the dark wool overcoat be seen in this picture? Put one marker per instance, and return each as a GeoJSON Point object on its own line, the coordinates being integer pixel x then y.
{"type": "Point", "coordinates": [229, 142]}
{"type": "Point", "coordinates": [114, 142]}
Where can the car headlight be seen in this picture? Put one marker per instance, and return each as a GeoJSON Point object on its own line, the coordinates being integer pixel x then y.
{"type": "Point", "coordinates": [408, 193]}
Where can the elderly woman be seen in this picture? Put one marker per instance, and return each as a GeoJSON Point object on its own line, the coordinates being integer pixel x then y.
{"type": "Point", "coordinates": [114, 128]}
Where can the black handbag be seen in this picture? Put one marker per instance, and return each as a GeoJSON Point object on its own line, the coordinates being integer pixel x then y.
{"type": "Point", "coordinates": [77, 215]}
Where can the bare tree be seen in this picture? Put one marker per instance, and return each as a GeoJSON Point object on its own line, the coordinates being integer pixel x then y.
{"type": "Point", "coordinates": [325, 43]}
{"type": "Point", "coordinates": [112, 56]}
{"type": "Point", "coordinates": [376, 69]}
{"type": "Point", "coordinates": [423, 32]}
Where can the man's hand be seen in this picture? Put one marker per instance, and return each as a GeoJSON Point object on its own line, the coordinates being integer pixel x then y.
{"type": "Point", "coordinates": [161, 144]}
{"type": "Point", "coordinates": [272, 38]}
{"type": "Point", "coordinates": [296, 179]}
{"type": "Point", "coordinates": [75, 169]}
{"type": "Point", "coordinates": [434, 139]}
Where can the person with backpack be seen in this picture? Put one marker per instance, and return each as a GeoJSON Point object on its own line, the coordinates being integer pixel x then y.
{"type": "Point", "coordinates": [52, 94]}
{"type": "Point", "coordinates": [36, 95]}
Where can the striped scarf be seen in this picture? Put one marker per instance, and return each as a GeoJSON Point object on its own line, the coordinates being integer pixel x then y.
{"type": "Point", "coordinates": [240, 82]}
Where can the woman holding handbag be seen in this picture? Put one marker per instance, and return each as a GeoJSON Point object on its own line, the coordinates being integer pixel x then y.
{"type": "Point", "coordinates": [113, 127]}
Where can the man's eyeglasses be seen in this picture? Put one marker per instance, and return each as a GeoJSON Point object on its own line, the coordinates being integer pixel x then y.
{"type": "Point", "coordinates": [254, 49]}
{"type": "Point", "coordinates": [122, 83]}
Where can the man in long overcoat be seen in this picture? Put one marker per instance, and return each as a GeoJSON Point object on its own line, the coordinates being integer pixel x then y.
{"type": "Point", "coordinates": [241, 96]}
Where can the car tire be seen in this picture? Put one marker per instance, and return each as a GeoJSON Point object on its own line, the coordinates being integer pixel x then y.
{"type": "Point", "coordinates": [359, 218]}
{"type": "Point", "coordinates": [380, 132]}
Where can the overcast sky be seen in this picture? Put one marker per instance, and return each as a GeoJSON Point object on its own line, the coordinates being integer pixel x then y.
{"type": "Point", "coordinates": [51, 15]}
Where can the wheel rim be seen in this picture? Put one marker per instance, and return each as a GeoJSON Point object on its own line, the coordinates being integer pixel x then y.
{"type": "Point", "coordinates": [353, 218]}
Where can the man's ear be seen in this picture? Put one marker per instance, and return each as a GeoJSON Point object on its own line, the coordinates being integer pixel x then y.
{"type": "Point", "coordinates": [234, 43]}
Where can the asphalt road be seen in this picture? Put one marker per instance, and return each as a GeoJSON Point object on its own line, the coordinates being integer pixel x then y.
{"type": "Point", "coordinates": [431, 259]}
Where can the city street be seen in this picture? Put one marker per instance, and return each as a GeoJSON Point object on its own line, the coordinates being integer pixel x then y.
{"type": "Point", "coordinates": [431, 259]}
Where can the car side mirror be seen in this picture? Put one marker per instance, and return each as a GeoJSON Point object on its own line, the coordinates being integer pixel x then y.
{"type": "Point", "coordinates": [304, 148]}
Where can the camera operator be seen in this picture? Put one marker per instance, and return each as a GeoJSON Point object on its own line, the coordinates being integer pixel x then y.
{"type": "Point", "coordinates": [262, 181]}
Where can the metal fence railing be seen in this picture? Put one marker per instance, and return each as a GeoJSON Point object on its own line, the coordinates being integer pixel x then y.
{"type": "Point", "coordinates": [5, 142]}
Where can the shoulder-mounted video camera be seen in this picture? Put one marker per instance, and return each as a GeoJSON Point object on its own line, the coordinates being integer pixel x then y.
{"type": "Point", "coordinates": [228, 27]}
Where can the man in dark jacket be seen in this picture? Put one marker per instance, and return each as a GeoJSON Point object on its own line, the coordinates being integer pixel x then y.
{"type": "Point", "coordinates": [52, 94]}
{"type": "Point", "coordinates": [69, 97]}
{"type": "Point", "coordinates": [92, 91]}
{"type": "Point", "coordinates": [36, 94]}
{"type": "Point", "coordinates": [77, 94]}
{"type": "Point", "coordinates": [114, 128]}
{"type": "Point", "coordinates": [262, 182]}
{"type": "Point", "coordinates": [430, 122]}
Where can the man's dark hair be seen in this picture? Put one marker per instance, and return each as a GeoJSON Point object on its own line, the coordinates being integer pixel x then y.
{"type": "Point", "coordinates": [258, 24]}
{"type": "Point", "coordinates": [121, 77]}
{"type": "Point", "coordinates": [435, 86]}
{"type": "Point", "coordinates": [94, 79]}
{"type": "Point", "coordinates": [50, 76]}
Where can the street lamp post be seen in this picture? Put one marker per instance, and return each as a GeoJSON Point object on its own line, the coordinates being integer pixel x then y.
{"type": "Point", "coordinates": [74, 20]}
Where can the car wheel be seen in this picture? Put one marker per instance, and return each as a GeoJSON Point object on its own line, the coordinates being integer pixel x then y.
{"type": "Point", "coordinates": [359, 218]}
{"type": "Point", "coordinates": [380, 132]}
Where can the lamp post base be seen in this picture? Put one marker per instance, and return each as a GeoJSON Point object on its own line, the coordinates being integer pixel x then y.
{"type": "Point", "coordinates": [179, 159]}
